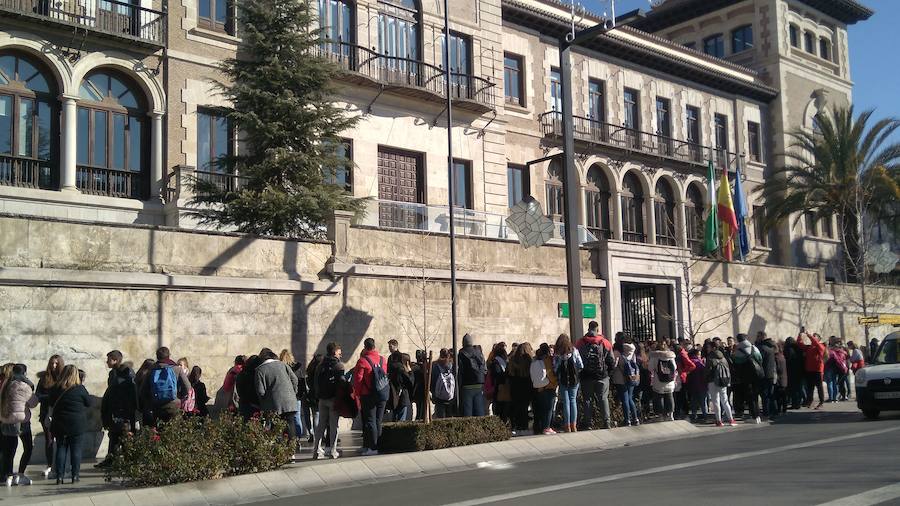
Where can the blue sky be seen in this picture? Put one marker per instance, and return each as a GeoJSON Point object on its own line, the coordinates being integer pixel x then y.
{"type": "Point", "coordinates": [874, 54]}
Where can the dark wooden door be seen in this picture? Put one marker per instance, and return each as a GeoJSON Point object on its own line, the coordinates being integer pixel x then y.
{"type": "Point", "coordinates": [399, 190]}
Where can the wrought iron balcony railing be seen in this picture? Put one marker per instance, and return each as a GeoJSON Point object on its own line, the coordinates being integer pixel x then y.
{"type": "Point", "coordinates": [106, 17]}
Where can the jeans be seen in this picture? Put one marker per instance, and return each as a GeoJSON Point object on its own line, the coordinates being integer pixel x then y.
{"type": "Point", "coordinates": [472, 398]}
{"type": "Point", "coordinates": [831, 383]}
{"type": "Point", "coordinates": [698, 404]}
{"type": "Point", "coordinates": [328, 419]}
{"type": "Point", "coordinates": [298, 420]}
{"type": "Point", "coordinates": [115, 441]}
{"type": "Point", "coordinates": [745, 393]}
{"type": "Point", "coordinates": [665, 404]}
{"type": "Point", "coordinates": [290, 430]}
{"type": "Point", "coordinates": [401, 413]}
{"type": "Point", "coordinates": [442, 410]}
{"type": "Point", "coordinates": [814, 381]}
{"type": "Point", "coordinates": [844, 385]}
{"type": "Point", "coordinates": [629, 408]}
{"type": "Point", "coordinates": [568, 396]}
{"type": "Point", "coordinates": [68, 446]}
{"type": "Point", "coordinates": [8, 446]}
{"type": "Point", "coordinates": [49, 447]}
{"type": "Point", "coordinates": [27, 446]}
{"type": "Point", "coordinates": [595, 392]}
{"type": "Point", "coordinates": [719, 397]}
{"type": "Point", "coordinates": [544, 402]}
{"type": "Point", "coordinates": [372, 414]}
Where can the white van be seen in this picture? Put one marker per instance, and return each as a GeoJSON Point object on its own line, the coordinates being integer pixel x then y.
{"type": "Point", "coordinates": [878, 384]}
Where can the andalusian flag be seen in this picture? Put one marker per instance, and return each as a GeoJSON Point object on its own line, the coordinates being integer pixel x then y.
{"type": "Point", "coordinates": [727, 217]}
{"type": "Point", "coordinates": [711, 230]}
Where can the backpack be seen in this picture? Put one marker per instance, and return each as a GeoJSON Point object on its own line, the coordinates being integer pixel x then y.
{"type": "Point", "coordinates": [665, 371]}
{"type": "Point", "coordinates": [381, 385]}
{"type": "Point", "coordinates": [445, 388]}
{"type": "Point", "coordinates": [189, 405]}
{"type": "Point", "coordinates": [163, 384]}
{"type": "Point", "coordinates": [721, 374]}
{"type": "Point", "coordinates": [326, 382]}
{"type": "Point", "coordinates": [568, 375]}
{"type": "Point", "coordinates": [594, 360]}
{"type": "Point", "coordinates": [632, 373]}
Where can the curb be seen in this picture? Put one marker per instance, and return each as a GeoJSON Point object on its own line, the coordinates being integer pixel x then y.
{"type": "Point", "coordinates": [313, 476]}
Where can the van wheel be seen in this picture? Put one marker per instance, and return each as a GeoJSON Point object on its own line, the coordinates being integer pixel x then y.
{"type": "Point", "coordinates": [871, 414]}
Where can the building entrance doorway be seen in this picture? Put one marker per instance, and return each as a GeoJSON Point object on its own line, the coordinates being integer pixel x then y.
{"type": "Point", "coordinates": [647, 311]}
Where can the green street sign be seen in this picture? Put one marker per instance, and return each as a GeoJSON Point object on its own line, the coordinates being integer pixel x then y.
{"type": "Point", "coordinates": [587, 310]}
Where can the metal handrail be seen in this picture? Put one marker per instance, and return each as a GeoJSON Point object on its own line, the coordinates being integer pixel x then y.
{"type": "Point", "coordinates": [406, 71]}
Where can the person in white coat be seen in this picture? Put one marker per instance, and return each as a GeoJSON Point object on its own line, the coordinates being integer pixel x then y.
{"type": "Point", "coordinates": [663, 370]}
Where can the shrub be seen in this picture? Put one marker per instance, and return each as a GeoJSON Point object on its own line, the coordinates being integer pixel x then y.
{"type": "Point", "coordinates": [443, 433]}
{"type": "Point", "coordinates": [191, 449]}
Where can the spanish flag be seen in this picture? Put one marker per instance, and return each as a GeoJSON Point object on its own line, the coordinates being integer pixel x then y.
{"type": "Point", "coordinates": [727, 217]}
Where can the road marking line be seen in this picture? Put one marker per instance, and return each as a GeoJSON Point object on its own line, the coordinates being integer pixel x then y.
{"type": "Point", "coordinates": [870, 498]}
{"type": "Point", "coordinates": [662, 469]}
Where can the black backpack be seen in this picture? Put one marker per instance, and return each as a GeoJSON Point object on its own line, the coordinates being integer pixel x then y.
{"type": "Point", "coordinates": [381, 386]}
{"type": "Point", "coordinates": [595, 361]}
{"type": "Point", "coordinates": [665, 371]}
{"type": "Point", "coordinates": [326, 381]}
{"type": "Point", "coordinates": [568, 374]}
{"type": "Point", "coordinates": [721, 374]}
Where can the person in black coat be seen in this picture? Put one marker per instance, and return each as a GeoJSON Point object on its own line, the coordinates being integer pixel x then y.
{"type": "Point", "coordinates": [117, 409]}
{"type": "Point", "coordinates": [402, 383]}
{"type": "Point", "coordinates": [200, 394]}
{"type": "Point", "coordinates": [245, 388]}
{"type": "Point", "coordinates": [70, 402]}
{"type": "Point", "coordinates": [418, 392]}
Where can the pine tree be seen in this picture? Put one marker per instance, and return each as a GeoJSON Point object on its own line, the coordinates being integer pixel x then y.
{"type": "Point", "coordinates": [288, 124]}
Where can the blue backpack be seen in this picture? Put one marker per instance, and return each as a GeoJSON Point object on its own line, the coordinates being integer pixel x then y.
{"type": "Point", "coordinates": [164, 384]}
{"type": "Point", "coordinates": [632, 373]}
{"type": "Point", "coordinates": [381, 386]}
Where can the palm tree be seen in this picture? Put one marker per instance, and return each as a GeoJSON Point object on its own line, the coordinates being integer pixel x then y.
{"type": "Point", "coordinates": [844, 168]}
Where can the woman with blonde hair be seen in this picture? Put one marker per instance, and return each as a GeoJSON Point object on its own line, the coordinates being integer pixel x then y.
{"type": "Point", "coordinates": [70, 404]}
{"type": "Point", "coordinates": [287, 358]}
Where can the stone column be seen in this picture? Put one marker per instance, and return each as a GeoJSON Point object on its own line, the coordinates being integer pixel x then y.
{"type": "Point", "coordinates": [338, 230]}
{"type": "Point", "coordinates": [156, 156]}
{"type": "Point", "coordinates": [69, 143]}
{"type": "Point", "coordinates": [616, 218]}
{"type": "Point", "coordinates": [680, 224]}
{"type": "Point", "coordinates": [650, 220]}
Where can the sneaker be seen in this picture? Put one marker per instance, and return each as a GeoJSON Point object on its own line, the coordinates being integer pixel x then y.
{"type": "Point", "coordinates": [819, 405]}
{"type": "Point", "coordinates": [47, 473]}
{"type": "Point", "coordinates": [335, 456]}
{"type": "Point", "coordinates": [369, 452]}
{"type": "Point", "coordinates": [513, 433]}
{"type": "Point", "coordinates": [757, 421]}
{"type": "Point", "coordinates": [24, 480]}
{"type": "Point", "coordinates": [361, 451]}
{"type": "Point", "coordinates": [720, 424]}
{"type": "Point", "coordinates": [549, 432]}
{"type": "Point", "coordinates": [319, 456]}
{"type": "Point", "coordinates": [11, 480]}
{"type": "Point", "coordinates": [733, 423]}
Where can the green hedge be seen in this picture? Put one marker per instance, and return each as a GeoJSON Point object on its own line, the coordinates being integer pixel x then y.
{"type": "Point", "coordinates": [192, 449]}
{"type": "Point", "coordinates": [443, 433]}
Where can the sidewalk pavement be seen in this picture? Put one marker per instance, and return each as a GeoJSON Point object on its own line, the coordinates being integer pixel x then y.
{"type": "Point", "coordinates": [310, 476]}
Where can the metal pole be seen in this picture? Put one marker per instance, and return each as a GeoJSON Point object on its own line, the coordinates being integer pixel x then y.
{"type": "Point", "coordinates": [570, 195]}
{"type": "Point", "coordinates": [451, 188]}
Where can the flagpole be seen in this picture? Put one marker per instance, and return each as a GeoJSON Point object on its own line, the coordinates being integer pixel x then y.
{"type": "Point", "coordinates": [451, 189]}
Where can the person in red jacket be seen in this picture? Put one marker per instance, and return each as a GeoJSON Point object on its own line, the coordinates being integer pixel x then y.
{"type": "Point", "coordinates": [684, 366]}
{"type": "Point", "coordinates": [592, 336]}
{"type": "Point", "coordinates": [813, 365]}
{"type": "Point", "coordinates": [370, 405]}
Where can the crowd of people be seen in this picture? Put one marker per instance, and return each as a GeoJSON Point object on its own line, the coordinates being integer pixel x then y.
{"type": "Point", "coordinates": [563, 386]}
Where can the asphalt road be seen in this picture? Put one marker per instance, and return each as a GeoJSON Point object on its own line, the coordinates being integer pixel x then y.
{"type": "Point", "coordinates": [809, 458]}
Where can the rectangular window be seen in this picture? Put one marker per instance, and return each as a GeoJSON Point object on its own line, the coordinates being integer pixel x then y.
{"type": "Point", "coordinates": [215, 139]}
{"type": "Point", "coordinates": [459, 64]}
{"type": "Point", "coordinates": [83, 154]}
{"type": "Point", "coordinates": [825, 49]}
{"type": "Point", "coordinates": [809, 43]}
{"type": "Point", "coordinates": [714, 45]}
{"type": "Point", "coordinates": [693, 124]}
{"type": "Point", "coordinates": [462, 184]}
{"type": "Point", "coordinates": [343, 176]}
{"type": "Point", "coordinates": [596, 101]}
{"type": "Point", "coordinates": [827, 229]}
{"type": "Point", "coordinates": [44, 133]}
{"type": "Point", "coordinates": [135, 145]}
{"type": "Point", "coordinates": [759, 217]}
{"type": "Point", "coordinates": [721, 132]}
{"type": "Point", "coordinates": [632, 118]}
{"type": "Point", "coordinates": [555, 90]}
{"type": "Point", "coordinates": [809, 219]}
{"type": "Point", "coordinates": [742, 39]}
{"type": "Point", "coordinates": [755, 141]}
{"type": "Point", "coordinates": [663, 117]}
{"type": "Point", "coordinates": [100, 139]}
{"type": "Point", "coordinates": [513, 81]}
{"type": "Point", "coordinates": [517, 183]}
{"type": "Point", "coordinates": [26, 127]}
{"type": "Point", "coordinates": [6, 124]}
{"type": "Point", "coordinates": [215, 15]}
{"type": "Point", "coordinates": [795, 35]}
{"type": "Point", "coordinates": [118, 145]}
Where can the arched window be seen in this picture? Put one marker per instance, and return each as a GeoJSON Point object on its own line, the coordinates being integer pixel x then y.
{"type": "Point", "coordinates": [28, 123]}
{"type": "Point", "coordinates": [555, 205]}
{"type": "Point", "coordinates": [398, 35]}
{"type": "Point", "coordinates": [596, 203]}
{"type": "Point", "coordinates": [693, 218]}
{"type": "Point", "coordinates": [664, 205]}
{"type": "Point", "coordinates": [632, 209]}
{"type": "Point", "coordinates": [112, 136]}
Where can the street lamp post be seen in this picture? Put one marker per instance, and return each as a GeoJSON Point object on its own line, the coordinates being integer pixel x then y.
{"type": "Point", "coordinates": [570, 178]}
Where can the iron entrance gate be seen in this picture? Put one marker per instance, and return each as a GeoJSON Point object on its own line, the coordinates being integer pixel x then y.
{"type": "Point", "coordinates": [639, 311]}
